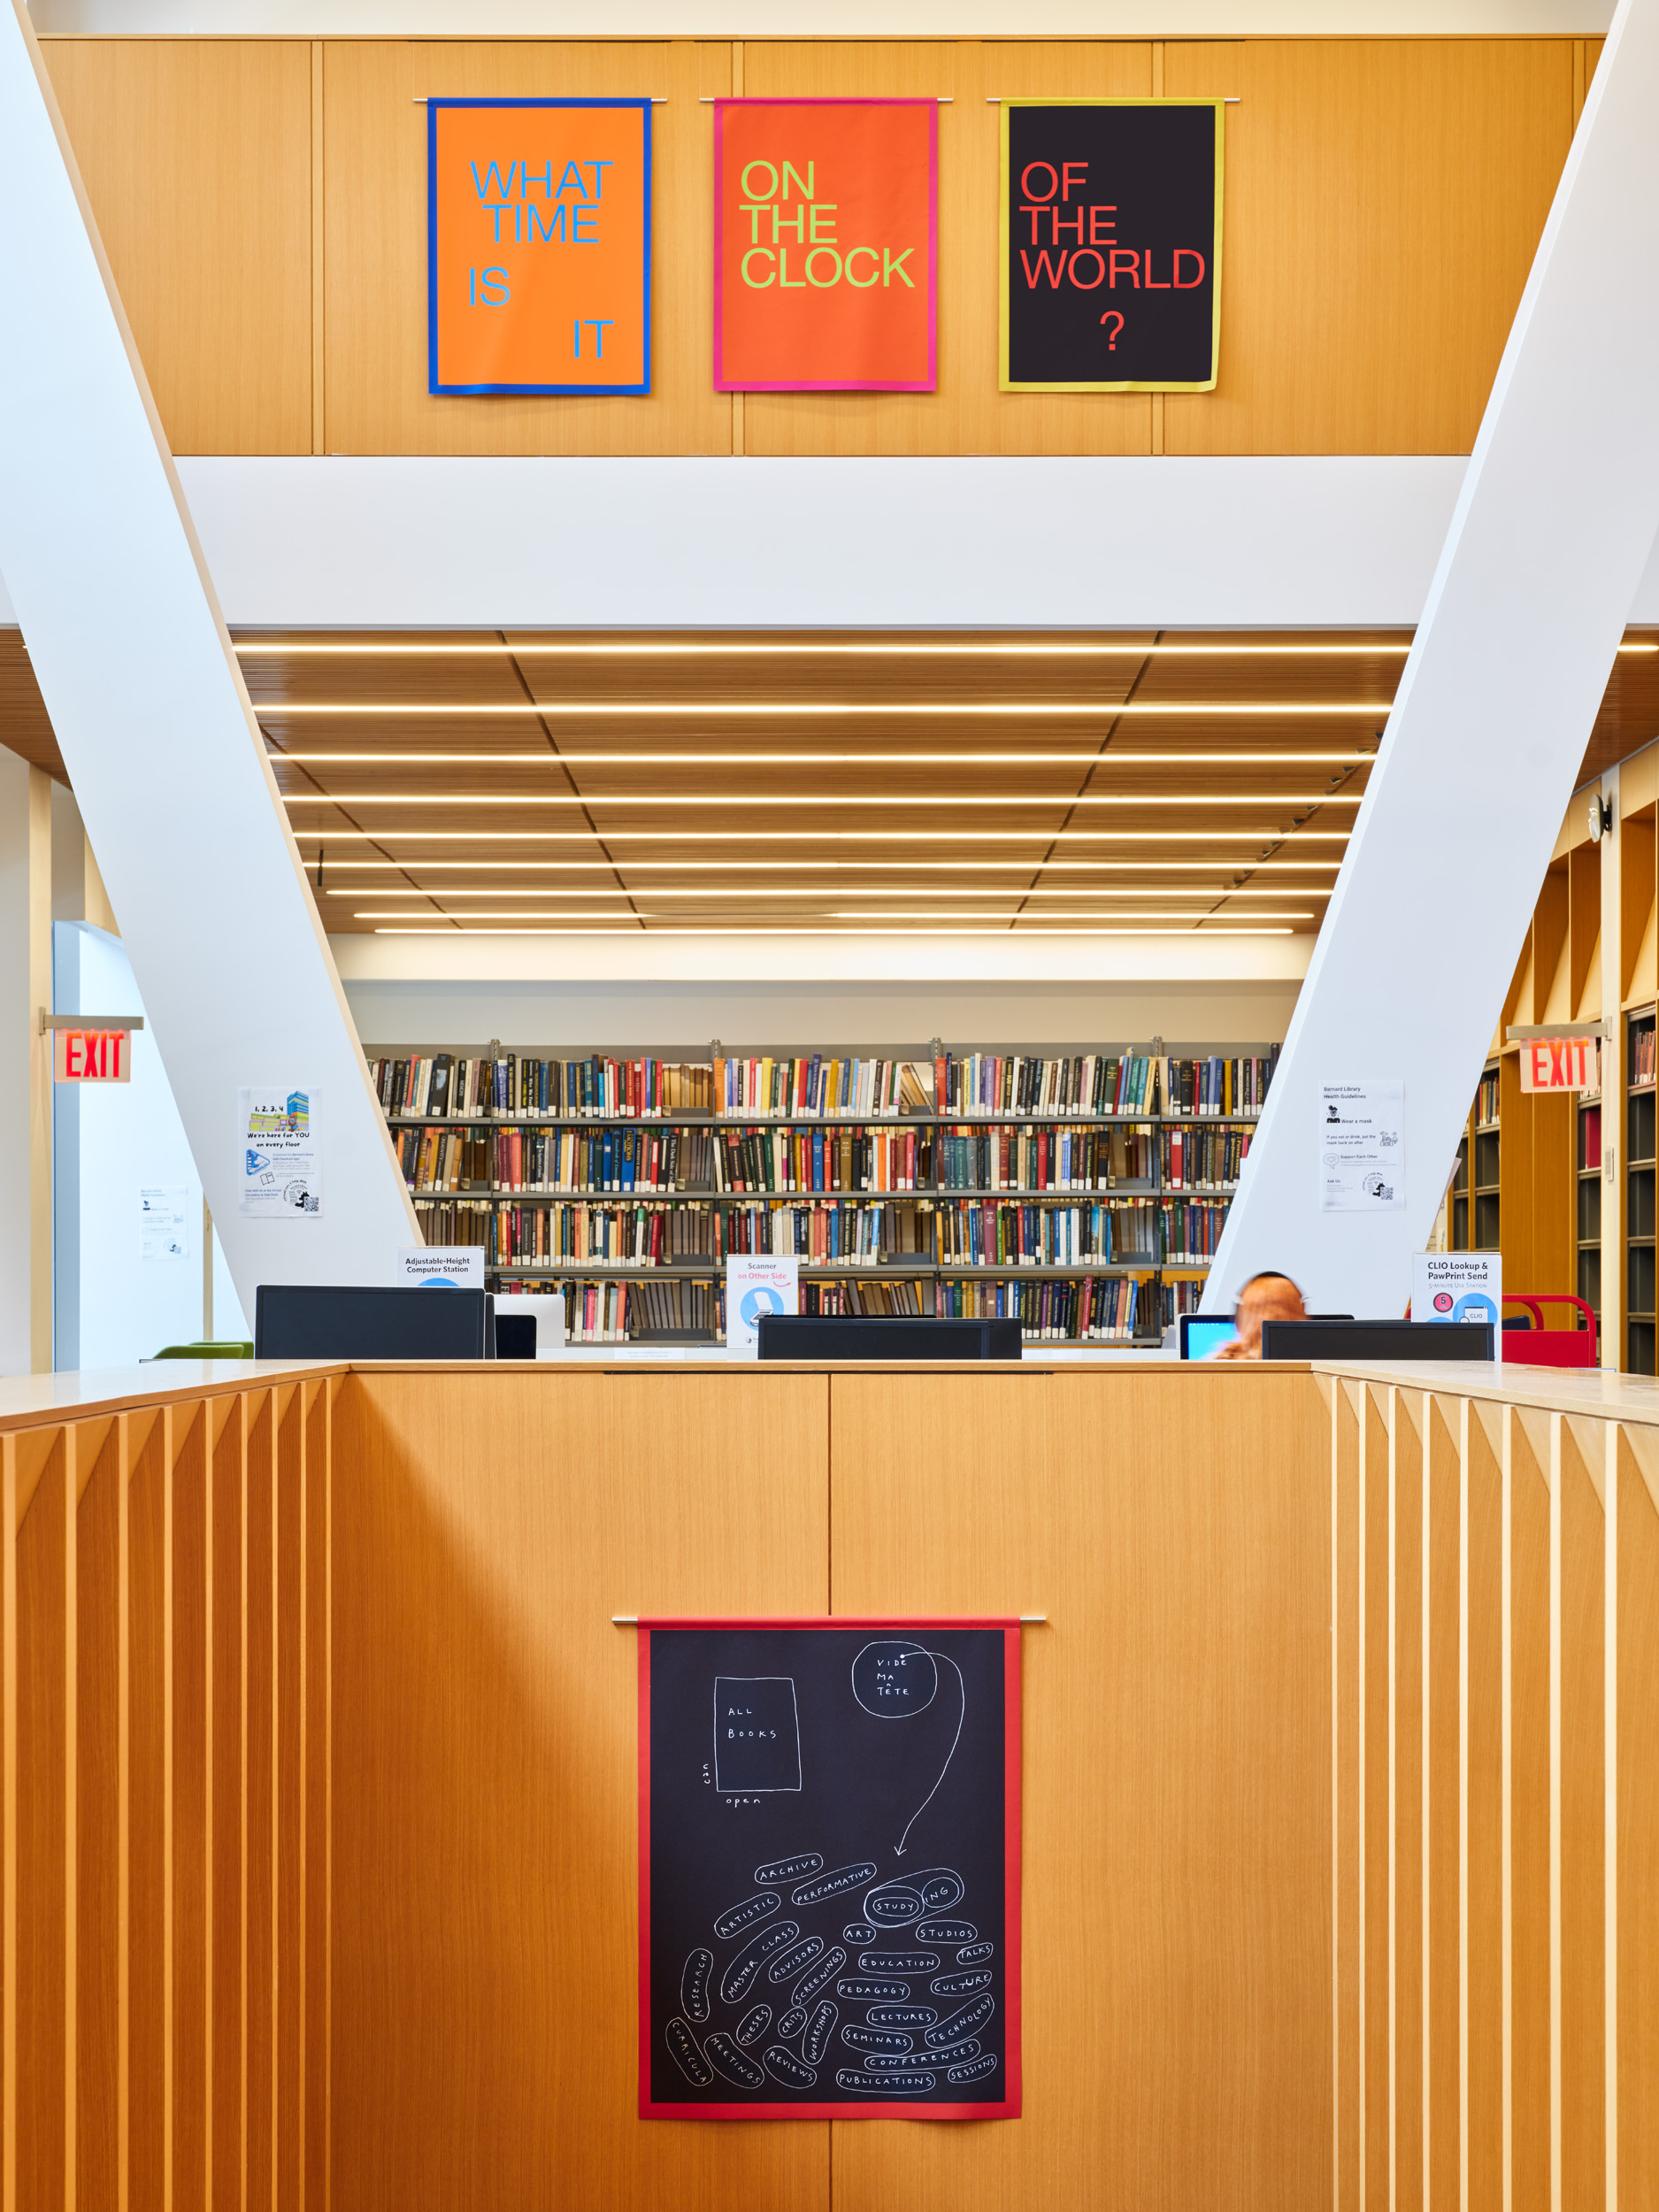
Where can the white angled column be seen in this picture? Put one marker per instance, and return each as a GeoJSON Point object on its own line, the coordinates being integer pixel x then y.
{"type": "Point", "coordinates": [155, 729]}
{"type": "Point", "coordinates": [25, 986]}
{"type": "Point", "coordinates": [1550, 536]}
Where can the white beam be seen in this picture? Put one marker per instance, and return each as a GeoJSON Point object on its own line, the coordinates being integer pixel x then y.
{"type": "Point", "coordinates": [155, 726]}
{"type": "Point", "coordinates": [1552, 531]}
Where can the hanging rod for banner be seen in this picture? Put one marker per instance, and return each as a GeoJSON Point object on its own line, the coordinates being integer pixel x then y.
{"type": "Point", "coordinates": [632, 1620]}
{"type": "Point", "coordinates": [708, 99]}
{"type": "Point", "coordinates": [658, 99]}
{"type": "Point", "coordinates": [1035, 99]}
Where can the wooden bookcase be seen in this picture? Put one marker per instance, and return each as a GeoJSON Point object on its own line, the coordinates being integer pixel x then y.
{"type": "Point", "coordinates": [1165, 1260]}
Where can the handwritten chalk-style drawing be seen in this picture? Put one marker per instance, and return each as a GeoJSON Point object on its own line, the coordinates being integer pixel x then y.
{"type": "Point", "coordinates": [900, 2017]}
{"type": "Point", "coordinates": [895, 1679]}
{"type": "Point", "coordinates": [844, 1877]}
{"type": "Point", "coordinates": [688, 2057]}
{"type": "Point", "coordinates": [753, 1909]}
{"type": "Point", "coordinates": [857, 1933]}
{"type": "Point", "coordinates": [724, 2056]}
{"type": "Point", "coordinates": [913, 2061]}
{"type": "Point", "coordinates": [962, 1985]}
{"type": "Point", "coordinates": [739, 1976]}
{"type": "Point", "coordinates": [756, 1733]}
{"type": "Point", "coordinates": [884, 2084]}
{"type": "Point", "coordinates": [859, 2038]}
{"type": "Point", "coordinates": [799, 1955]}
{"type": "Point", "coordinates": [897, 1962]}
{"type": "Point", "coordinates": [784, 2067]}
{"type": "Point", "coordinates": [754, 2025]}
{"type": "Point", "coordinates": [942, 1888]}
{"type": "Point", "coordinates": [694, 1985]}
{"type": "Point", "coordinates": [869, 1993]}
{"type": "Point", "coordinates": [966, 2020]}
{"type": "Point", "coordinates": [818, 1976]}
{"type": "Point", "coordinates": [976, 2070]}
{"type": "Point", "coordinates": [975, 1953]}
{"type": "Point", "coordinates": [945, 1932]}
{"type": "Point", "coordinates": [893, 1904]}
{"type": "Point", "coordinates": [819, 2028]}
{"type": "Point", "coordinates": [792, 2023]}
{"type": "Point", "coordinates": [789, 1870]}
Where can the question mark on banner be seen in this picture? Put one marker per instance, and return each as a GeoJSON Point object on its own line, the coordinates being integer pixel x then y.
{"type": "Point", "coordinates": [1112, 316]}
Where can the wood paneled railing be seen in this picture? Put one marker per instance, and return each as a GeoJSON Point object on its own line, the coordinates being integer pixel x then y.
{"type": "Point", "coordinates": [1341, 1798]}
{"type": "Point", "coordinates": [166, 1595]}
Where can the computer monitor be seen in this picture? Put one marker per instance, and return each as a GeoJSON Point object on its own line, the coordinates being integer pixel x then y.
{"type": "Point", "coordinates": [515, 1332]}
{"type": "Point", "coordinates": [854, 1336]}
{"type": "Point", "coordinates": [1361, 1341]}
{"type": "Point", "coordinates": [1203, 1334]}
{"type": "Point", "coordinates": [372, 1321]}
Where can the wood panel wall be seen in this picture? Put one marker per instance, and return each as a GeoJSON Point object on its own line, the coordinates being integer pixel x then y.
{"type": "Point", "coordinates": [1340, 1834]}
{"type": "Point", "coordinates": [264, 207]}
{"type": "Point", "coordinates": [165, 1704]}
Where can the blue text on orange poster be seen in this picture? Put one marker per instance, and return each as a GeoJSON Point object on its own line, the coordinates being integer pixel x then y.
{"type": "Point", "coordinates": [539, 247]}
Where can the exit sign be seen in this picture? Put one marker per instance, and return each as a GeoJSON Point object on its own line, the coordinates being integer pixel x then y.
{"type": "Point", "coordinates": [92, 1055]}
{"type": "Point", "coordinates": [1561, 1063]}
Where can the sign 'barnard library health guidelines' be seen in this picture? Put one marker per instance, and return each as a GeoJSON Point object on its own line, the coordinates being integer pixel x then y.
{"type": "Point", "coordinates": [1110, 219]}
{"type": "Point", "coordinates": [829, 1870]}
{"type": "Point", "coordinates": [826, 245]}
{"type": "Point", "coordinates": [539, 246]}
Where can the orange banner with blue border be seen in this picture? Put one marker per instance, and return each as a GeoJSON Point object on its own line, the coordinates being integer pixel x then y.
{"type": "Point", "coordinates": [539, 246]}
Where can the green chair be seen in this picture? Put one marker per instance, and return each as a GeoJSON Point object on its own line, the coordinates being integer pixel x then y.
{"type": "Point", "coordinates": [223, 1351]}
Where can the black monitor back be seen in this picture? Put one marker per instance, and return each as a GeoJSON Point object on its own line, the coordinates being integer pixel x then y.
{"type": "Point", "coordinates": [855, 1336]}
{"type": "Point", "coordinates": [368, 1321]}
{"type": "Point", "coordinates": [1365, 1340]}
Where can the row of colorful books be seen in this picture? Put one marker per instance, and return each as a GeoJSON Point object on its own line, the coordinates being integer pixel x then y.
{"type": "Point", "coordinates": [832, 1235]}
{"type": "Point", "coordinates": [443, 1085]}
{"type": "Point", "coordinates": [1118, 1232]}
{"type": "Point", "coordinates": [1042, 1159]}
{"type": "Point", "coordinates": [1189, 1232]}
{"type": "Point", "coordinates": [831, 1159]}
{"type": "Point", "coordinates": [1203, 1159]}
{"type": "Point", "coordinates": [1099, 1310]}
{"type": "Point", "coordinates": [816, 1086]}
{"type": "Point", "coordinates": [608, 1236]}
{"type": "Point", "coordinates": [1084, 1083]}
{"type": "Point", "coordinates": [651, 1161]}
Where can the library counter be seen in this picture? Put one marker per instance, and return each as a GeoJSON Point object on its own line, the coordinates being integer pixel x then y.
{"type": "Point", "coordinates": [338, 1652]}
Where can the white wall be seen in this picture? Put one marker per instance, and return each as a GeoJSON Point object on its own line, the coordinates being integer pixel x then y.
{"type": "Point", "coordinates": [655, 1017]}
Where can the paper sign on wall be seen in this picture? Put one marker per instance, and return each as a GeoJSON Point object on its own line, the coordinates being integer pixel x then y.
{"type": "Point", "coordinates": [164, 1221]}
{"type": "Point", "coordinates": [1457, 1287]}
{"type": "Point", "coordinates": [1110, 245]}
{"type": "Point", "coordinates": [442, 1266]}
{"type": "Point", "coordinates": [1561, 1063]}
{"type": "Point", "coordinates": [281, 1151]}
{"type": "Point", "coordinates": [539, 246]}
{"type": "Point", "coordinates": [1362, 1138]}
{"type": "Point", "coordinates": [757, 1283]}
{"type": "Point", "coordinates": [826, 245]}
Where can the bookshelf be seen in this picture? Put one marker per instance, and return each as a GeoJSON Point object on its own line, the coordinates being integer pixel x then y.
{"type": "Point", "coordinates": [1487, 1134]}
{"type": "Point", "coordinates": [1080, 1190]}
{"type": "Point", "coordinates": [1640, 1173]}
{"type": "Point", "coordinates": [1587, 1208]}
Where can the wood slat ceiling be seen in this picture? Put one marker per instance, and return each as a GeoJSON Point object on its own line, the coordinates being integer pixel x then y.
{"type": "Point", "coordinates": [1201, 782]}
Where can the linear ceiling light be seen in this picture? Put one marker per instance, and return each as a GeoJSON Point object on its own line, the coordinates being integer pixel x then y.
{"type": "Point", "coordinates": [536, 756]}
{"type": "Point", "coordinates": [826, 891]}
{"type": "Point", "coordinates": [684, 868]}
{"type": "Point", "coordinates": [871, 914]}
{"type": "Point", "coordinates": [627, 649]}
{"type": "Point", "coordinates": [1072, 709]}
{"type": "Point", "coordinates": [620, 930]}
{"type": "Point", "coordinates": [818, 798]}
{"type": "Point", "coordinates": [1237, 835]}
